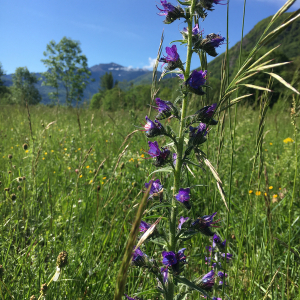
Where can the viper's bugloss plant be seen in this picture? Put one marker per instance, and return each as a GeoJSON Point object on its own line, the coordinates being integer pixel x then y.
{"type": "Point", "coordinates": [179, 223]}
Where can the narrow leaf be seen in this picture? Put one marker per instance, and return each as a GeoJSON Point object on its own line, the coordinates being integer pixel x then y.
{"type": "Point", "coordinates": [265, 55]}
{"type": "Point", "coordinates": [235, 101]}
{"type": "Point", "coordinates": [280, 79]}
{"type": "Point", "coordinates": [256, 87]}
{"type": "Point", "coordinates": [272, 66]}
{"type": "Point", "coordinates": [166, 169]}
{"type": "Point", "coordinates": [246, 77]}
{"type": "Point", "coordinates": [284, 8]}
{"type": "Point", "coordinates": [192, 285]}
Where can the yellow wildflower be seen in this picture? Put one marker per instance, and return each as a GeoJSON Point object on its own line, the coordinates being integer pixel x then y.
{"type": "Point", "coordinates": [104, 178]}
{"type": "Point", "coordinates": [275, 196]}
{"type": "Point", "coordinates": [279, 189]}
{"type": "Point", "coordinates": [46, 153]}
{"type": "Point", "coordinates": [26, 151]}
{"type": "Point", "coordinates": [271, 144]}
{"type": "Point", "coordinates": [54, 172]}
{"type": "Point", "coordinates": [52, 151]}
{"type": "Point", "coordinates": [288, 140]}
{"type": "Point", "coordinates": [142, 155]}
{"type": "Point", "coordinates": [257, 193]}
{"type": "Point", "coordinates": [91, 181]}
{"type": "Point", "coordinates": [65, 149]}
{"type": "Point", "coordinates": [87, 167]}
{"type": "Point", "coordinates": [80, 176]}
{"type": "Point", "coordinates": [270, 187]}
{"type": "Point", "coordinates": [266, 194]}
{"type": "Point", "coordinates": [69, 168]}
{"type": "Point", "coordinates": [250, 192]}
{"type": "Point", "coordinates": [43, 158]}
{"type": "Point", "coordinates": [79, 149]}
{"type": "Point", "coordinates": [106, 141]}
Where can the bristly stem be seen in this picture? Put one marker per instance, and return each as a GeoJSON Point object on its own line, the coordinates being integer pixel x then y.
{"type": "Point", "coordinates": [177, 173]}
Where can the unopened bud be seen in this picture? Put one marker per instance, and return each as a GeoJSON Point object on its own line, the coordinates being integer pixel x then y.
{"type": "Point", "coordinates": [25, 146]}
{"type": "Point", "coordinates": [98, 188]}
{"type": "Point", "coordinates": [19, 188]}
{"type": "Point", "coordinates": [23, 178]}
{"type": "Point", "coordinates": [9, 156]}
{"type": "Point", "coordinates": [13, 196]}
{"type": "Point", "coordinates": [6, 190]}
{"type": "Point", "coordinates": [122, 165]}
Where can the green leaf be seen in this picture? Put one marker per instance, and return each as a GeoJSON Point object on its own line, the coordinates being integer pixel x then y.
{"type": "Point", "coordinates": [168, 169]}
{"type": "Point", "coordinates": [280, 79]}
{"type": "Point", "coordinates": [192, 285]}
{"type": "Point", "coordinates": [187, 235]}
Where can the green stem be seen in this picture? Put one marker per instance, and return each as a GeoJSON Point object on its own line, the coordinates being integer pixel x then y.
{"type": "Point", "coordinates": [177, 173]}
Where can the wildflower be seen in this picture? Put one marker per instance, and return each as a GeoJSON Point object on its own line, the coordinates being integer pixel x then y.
{"type": "Point", "coordinates": [165, 274]}
{"type": "Point", "coordinates": [46, 153]}
{"type": "Point", "coordinates": [144, 226]}
{"type": "Point", "coordinates": [170, 11]}
{"type": "Point", "coordinates": [218, 242]}
{"type": "Point", "coordinates": [152, 129]}
{"type": "Point", "coordinates": [87, 167]}
{"type": "Point", "coordinates": [288, 140]}
{"type": "Point", "coordinates": [228, 256]}
{"type": "Point", "coordinates": [161, 156]}
{"type": "Point", "coordinates": [250, 192]}
{"type": "Point", "coordinates": [181, 221]}
{"type": "Point", "coordinates": [165, 109]}
{"type": "Point", "coordinates": [211, 42]}
{"type": "Point", "coordinates": [275, 196]}
{"type": "Point", "coordinates": [195, 82]}
{"type": "Point", "coordinates": [156, 187]}
{"type": "Point", "coordinates": [207, 281]}
{"type": "Point", "coordinates": [174, 261]}
{"type": "Point", "coordinates": [204, 223]}
{"type": "Point", "coordinates": [172, 59]}
{"type": "Point", "coordinates": [271, 144]}
{"type": "Point", "coordinates": [270, 187]}
{"type": "Point", "coordinates": [138, 258]}
{"type": "Point", "coordinates": [198, 134]}
{"type": "Point", "coordinates": [43, 158]}
{"type": "Point", "coordinates": [266, 194]}
{"type": "Point", "coordinates": [80, 176]}
{"type": "Point", "coordinates": [65, 149]}
{"type": "Point", "coordinates": [183, 196]}
{"type": "Point", "coordinates": [52, 151]}
{"type": "Point", "coordinates": [258, 193]}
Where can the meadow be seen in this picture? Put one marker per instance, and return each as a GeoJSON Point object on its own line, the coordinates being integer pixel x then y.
{"type": "Point", "coordinates": [78, 184]}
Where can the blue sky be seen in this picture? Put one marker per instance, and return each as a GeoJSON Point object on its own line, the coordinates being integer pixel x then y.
{"type": "Point", "coordinates": [124, 32]}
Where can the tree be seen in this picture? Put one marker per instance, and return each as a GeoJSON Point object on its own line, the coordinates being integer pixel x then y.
{"type": "Point", "coordinates": [106, 82]}
{"type": "Point", "coordinates": [66, 66]}
{"type": "Point", "coordinates": [4, 90]}
{"type": "Point", "coordinates": [23, 88]}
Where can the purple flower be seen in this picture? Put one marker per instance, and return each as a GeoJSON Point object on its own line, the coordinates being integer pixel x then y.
{"type": "Point", "coordinates": [161, 156]}
{"type": "Point", "coordinates": [210, 110]}
{"type": "Point", "coordinates": [170, 11]}
{"type": "Point", "coordinates": [172, 56]}
{"type": "Point", "coordinates": [174, 261]}
{"type": "Point", "coordinates": [156, 187]}
{"type": "Point", "coordinates": [165, 274]}
{"type": "Point", "coordinates": [222, 275]}
{"type": "Point", "coordinates": [197, 134]}
{"type": "Point", "coordinates": [183, 196]}
{"type": "Point", "coordinates": [207, 281]}
{"type": "Point", "coordinates": [203, 115]}
{"type": "Point", "coordinates": [215, 298]}
{"type": "Point", "coordinates": [165, 109]}
{"type": "Point", "coordinates": [138, 258]}
{"type": "Point", "coordinates": [195, 30]}
{"type": "Point", "coordinates": [195, 81]}
{"type": "Point", "coordinates": [144, 226]}
{"type": "Point", "coordinates": [208, 5]}
{"type": "Point", "coordinates": [218, 242]}
{"type": "Point", "coordinates": [181, 76]}
{"type": "Point", "coordinates": [228, 256]}
{"type": "Point", "coordinates": [204, 223]}
{"type": "Point", "coordinates": [169, 258]}
{"type": "Point", "coordinates": [181, 221]}
{"type": "Point", "coordinates": [153, 129]}
{"type": "Point", "coordinates": [211, 42]}
{"type": "Point", "coordinates": [172, 59]}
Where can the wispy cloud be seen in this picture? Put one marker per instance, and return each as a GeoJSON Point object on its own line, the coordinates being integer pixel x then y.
{"type": "Point", "coordinates": [280, 3]}
{"type": "Point", "coordinates": [151, 63]}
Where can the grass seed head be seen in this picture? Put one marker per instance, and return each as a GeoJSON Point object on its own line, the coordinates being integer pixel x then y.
{"type": "Point", "coordinates": [62, 259]}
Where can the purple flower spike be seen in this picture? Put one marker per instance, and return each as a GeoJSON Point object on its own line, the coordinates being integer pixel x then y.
{"type": "Point", "coordinates": [129, 298]}
{"type": "Point", "coordinates": [161, 156]}
{"type": "Point", "coordinates": [170, 11]}
{"type": "Point", "coordinates": [222, 275]}
{"type": "Point", "coordinates": [228, 256]}
{"type": "Point", "coordinates": [198, 134]}
{"type": "Point", "coordinates": [181, 221]}
{"type": "Point", "coordinates": [195, 30]}
{"type": "Point", "coordinates": [195, 82]}
{"type": "Point", "coordinates": [218, 242]}
{"type": "Point", "coordinates": [183, 196]}
{"type": "Point", "coordinates": [215, 298]}
{"type": "Point", "coordinates": [165, 274]}
{"type": "Point", "coordinates": [169, 258]}
{"type": "Point", "coordinates": [204, 223]}
{"type": "Point", "coordinates": [211, 109]}
{"type": "Point", "coordinates": [204, 115]}
{"type": "Point", "coordinates": [144, 226]}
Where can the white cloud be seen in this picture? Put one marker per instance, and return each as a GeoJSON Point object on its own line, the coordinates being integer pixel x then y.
{"type": "Point", "coordinates": [281, 3]}
{"type": "Point", "coordinates": [151, 63]}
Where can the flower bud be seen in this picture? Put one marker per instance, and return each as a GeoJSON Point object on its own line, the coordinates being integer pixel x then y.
{"type": "Point", "coordinates": [13, 196]}
{"type": "Point", "coordinates": [44, 289]}
{"type": "Point", "coordinates": [19, 188]}
{"type": "Point", "coordinates": [9, 156]}
{"type": "Point", "coordinates": [25, 146]}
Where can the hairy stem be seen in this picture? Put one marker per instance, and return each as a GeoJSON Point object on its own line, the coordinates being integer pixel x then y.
{"type": "Point", "coordinates": [177, 173]}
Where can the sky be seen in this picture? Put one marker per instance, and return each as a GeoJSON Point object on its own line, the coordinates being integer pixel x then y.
{"type": "Point", "coordinates": [124, 32]}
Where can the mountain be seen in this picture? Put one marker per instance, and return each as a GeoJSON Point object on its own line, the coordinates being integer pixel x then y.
{"type": "Point", "coordinates": [120, 73]}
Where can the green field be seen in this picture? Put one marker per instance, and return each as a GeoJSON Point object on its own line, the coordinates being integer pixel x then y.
{"type": "Point", "coordinates": [72, 201]}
